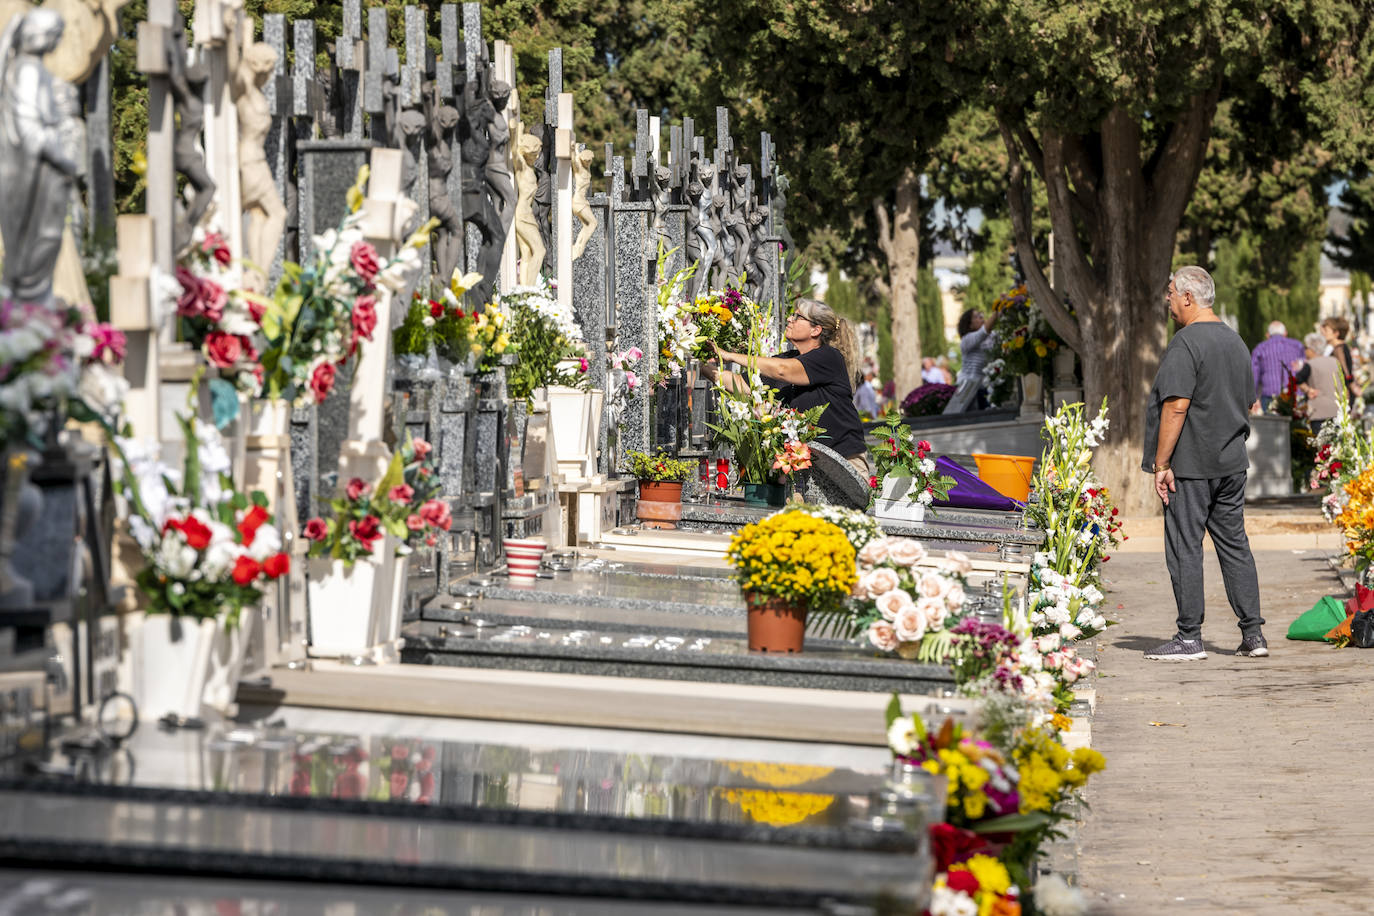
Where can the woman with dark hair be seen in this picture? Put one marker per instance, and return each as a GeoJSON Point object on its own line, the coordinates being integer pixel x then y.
{"type": "Point", "coordinates": [1335, 329]}
{"type": "Point", "coordinates": [818, 369]}
{"type": "Point", "coordinates": [975, 340]}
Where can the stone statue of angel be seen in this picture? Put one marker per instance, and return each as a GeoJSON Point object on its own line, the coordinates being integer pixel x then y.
{"type": "Point", "coordinates": [36, 170]}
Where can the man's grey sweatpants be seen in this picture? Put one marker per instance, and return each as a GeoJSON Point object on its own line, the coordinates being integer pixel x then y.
{"type": "Point", "coordinates": [1218, 506]}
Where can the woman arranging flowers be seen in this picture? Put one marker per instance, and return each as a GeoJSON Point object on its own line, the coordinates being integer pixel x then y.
{"type": "Point", "coordinates": [787, 564]}
{"type": "Point", "coordinates": [816, 372]}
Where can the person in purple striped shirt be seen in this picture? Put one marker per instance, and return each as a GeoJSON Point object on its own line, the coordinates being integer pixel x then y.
{"type": "Point", "coordinates": [1270, 361]}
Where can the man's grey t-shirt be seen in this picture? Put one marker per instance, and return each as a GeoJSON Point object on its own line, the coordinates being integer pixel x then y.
{"type": "Point", "coordinates": [1209, 364]}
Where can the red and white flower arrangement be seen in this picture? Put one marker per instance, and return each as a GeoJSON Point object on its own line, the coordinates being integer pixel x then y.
{"type": "Point", "coordinates": [322, 309]}
{"type": "Point", "coordinates": [209, 549]}
{"type": "Point", "coordinates": [218, 317]}
{"type": "Point", "coordinates": [364, 514]}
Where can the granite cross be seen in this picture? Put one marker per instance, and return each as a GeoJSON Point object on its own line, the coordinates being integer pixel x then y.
{"type": "Point", "coordinates": [349, 55]}
{"type": "Point", "coordinates": [640, 167]}
{"type": "Point", "coordinates": [374, 96]}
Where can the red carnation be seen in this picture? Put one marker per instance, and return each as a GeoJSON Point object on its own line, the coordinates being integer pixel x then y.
{"type": "Point", "coordinates": [322, 381]}
{"type": "Point", "coordinates": [873, 483]}
{"type": "Point", "coordinates": [316, 530]}
{"type": "Point", "coordinates": [414, 522]}
{"type": "Point", "coordinates": [277, 565]}
{"type": "Point", "coordinates": [421, 447]}
{"type": "Point", "coordinates": [367, 532]}
{"type": "Point", "coordinates": [400, 494]}
{"type": "Point", "coordinates": [363, 257]}
{"type": "Point", "coordinates": [252, 521]}
{"type": "Point", "coordinates": [356, 488]}
{"type": "Point", "coordinates": [246, 569]}
{"type": "Point", "coordinates": [459, 313]}
{"type": "Point", "coordinates": [437, 513]}
{"type": "Point", "coordinates": [436, 308]}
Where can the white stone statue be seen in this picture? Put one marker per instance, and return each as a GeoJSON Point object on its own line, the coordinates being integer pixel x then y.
{"type": "Point", "coordinates": [36, 168]}
{"type": "Point", "coordinates": [582, 209]}
{"type": "Point", "coordinates": [257, 190]}
{"type": "Point", "coordinates": [528, 241]}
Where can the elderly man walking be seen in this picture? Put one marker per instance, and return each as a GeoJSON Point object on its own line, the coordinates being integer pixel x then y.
{"type": "Point", "coordinates": [1269, 363]}
{"type": "Point", "coordinates": [1195, 431]}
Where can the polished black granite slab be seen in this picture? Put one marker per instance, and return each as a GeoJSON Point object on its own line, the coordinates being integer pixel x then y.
{"type": "Point", "coordinates": [943, 529]}
{"type": "Point", "coordinates": [246, 804]}
{"type": "Point", "coordinates": [666, 653]}
{"type": "Point", "coordinates": [56, 893]}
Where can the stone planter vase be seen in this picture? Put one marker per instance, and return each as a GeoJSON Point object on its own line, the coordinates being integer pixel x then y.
{"type": "Point", "coordinates": [896, 500]}
{"type": "Point", "coordinates": [775, 625]}
{"type": "Point", "coordinates": [1032, 396]}
{"type": "Point", "coordinates": [184, 665]}
{"type": "Point", "coordinates": [660, 503]}
{"type": "Point", "coordinates": [351, 607]}
{"type": "Point", "coordinates": [576, 418]}
{"type": "Point", "coordinates": [765, 494]}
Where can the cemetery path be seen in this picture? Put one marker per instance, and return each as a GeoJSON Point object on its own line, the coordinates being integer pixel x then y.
{"type": "Point", "coordinates": [1233, 785]}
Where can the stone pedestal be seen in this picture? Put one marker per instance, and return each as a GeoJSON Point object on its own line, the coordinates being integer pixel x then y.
{"type": "Point", "coordinates": [1066, 389]}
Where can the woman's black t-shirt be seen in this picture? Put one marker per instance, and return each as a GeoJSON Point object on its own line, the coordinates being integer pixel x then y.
{"type": "Point", "coordinates": [828, 383]}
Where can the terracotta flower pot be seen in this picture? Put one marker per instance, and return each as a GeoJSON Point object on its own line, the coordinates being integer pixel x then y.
{"type": "Point", "coordinates": [660, 503]}
{"type": "Point", "coordinates": [775, 624]}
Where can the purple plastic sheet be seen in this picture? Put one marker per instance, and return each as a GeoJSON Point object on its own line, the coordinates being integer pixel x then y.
{"type": "Point", "coordinates": [969, 492]}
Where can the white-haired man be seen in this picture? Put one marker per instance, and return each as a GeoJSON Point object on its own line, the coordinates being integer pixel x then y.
{"type": "Point", "coordinates": [1270, 361]}
{"type": "Point", "coordinates": [1196, 425]}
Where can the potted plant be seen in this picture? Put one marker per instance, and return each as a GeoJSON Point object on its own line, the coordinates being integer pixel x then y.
{"type": "Point", "coordinates": [660, 487]}
{"type": "Point", "coordinates": [788, 564]}
{"type": "Point", "coordinates": [209, 550]}
{"type": "Point", "coordinates": [907, 478]}
{"type": "Point", "coordinates": [353, 567]}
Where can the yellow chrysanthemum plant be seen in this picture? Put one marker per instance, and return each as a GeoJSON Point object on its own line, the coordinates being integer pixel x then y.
{"type": "Point", "coordinates": [796, 557]}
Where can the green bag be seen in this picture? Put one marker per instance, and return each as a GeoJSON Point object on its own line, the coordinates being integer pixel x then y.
{"type": "Point", "coordinates": [1316, 623]}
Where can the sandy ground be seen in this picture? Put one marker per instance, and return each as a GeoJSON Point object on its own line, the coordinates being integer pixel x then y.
{"type": "Point", "coordinates": [1233, 785]}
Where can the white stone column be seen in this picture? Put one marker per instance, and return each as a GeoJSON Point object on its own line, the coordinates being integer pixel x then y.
{"type": "Point", "coordinates": [563, 197]}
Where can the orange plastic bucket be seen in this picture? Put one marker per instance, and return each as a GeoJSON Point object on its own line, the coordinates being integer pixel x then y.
{"type": "Point", "coordinates": [1009, 475]}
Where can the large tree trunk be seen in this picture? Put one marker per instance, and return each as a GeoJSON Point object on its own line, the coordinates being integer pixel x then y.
{"type": "Point", "coordinates": [899, 238]}
{"type": "Point", "coordinates": [1117, 215]}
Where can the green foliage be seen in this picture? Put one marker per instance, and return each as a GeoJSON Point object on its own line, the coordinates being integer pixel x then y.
{"type": "Point", "coordinates": [1354, 249]}
{"type": "Point", "coordinates": [1257, 294]}
{"type": "Point", "coordinates": [422, 330]}
{"type": "Point", "coordinates": [896, 455]}
{"type": "Point", "coordinates": [990, 274]}
{"type": "Point", "coordinates": [931, 312]}
{"type": "Point", "coordinates": [659, 467]}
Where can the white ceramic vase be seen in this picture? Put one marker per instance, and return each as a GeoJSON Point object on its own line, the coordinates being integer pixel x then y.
{"type": "Point", "coordinates": [185, 665]}
{"type": "Point", "coordinates": [354, 610]}
{"type": "Point", "coordinates": [893, 503]}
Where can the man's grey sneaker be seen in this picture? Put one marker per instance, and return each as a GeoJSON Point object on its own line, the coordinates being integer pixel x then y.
{"type": "Point", "coordinates": [1253, 647]}
{"type": "Point", "coordinates": [1178, 650]}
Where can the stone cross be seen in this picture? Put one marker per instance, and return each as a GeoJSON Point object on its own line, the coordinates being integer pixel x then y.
{"type": "Point", "coordinates": [640, 167]}
{"type": "Point", "coordinates": [723, 142]}
{"type": "Point", "coordinates": [303, 109]}
{"type": "Point", "coordinates": [676, 164]}
{"type": "Point", "coordinates": [278, 93]}
{"type": "Point", "coordinates": [450, 54]}
{"type": "Point", "coordinates": [161, 176]}
{"type": "Point", "coordinates": [413, 73]}
{"type": "Point", "coordinates": [656, 138]}
{"type": "Point", "coordinates": [222, 120]}
{"type": "Point", "coordinates": [386, 211]}
{"type": "Point", "coordinates": [472, 38]}
{"type": "Point", "coordinates": [374, 98]}
{"type": "Point", "coordinates": [555, 88]}
{"type": "Point", "coordinates": [131, 310]}
{"type": "Point", "coordinates": [617, 176]}
{"type": "Point", "coordinates": [349, 55]}
{"type": "Point", "coordinates": [768, 165]}
{"type": "Point", "coordinates": [563, 199]}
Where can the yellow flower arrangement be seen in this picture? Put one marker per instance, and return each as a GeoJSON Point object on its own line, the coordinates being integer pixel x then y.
{"type": "Point", "coordinates": [1357, 518]}
{"type": "Point", "coordinates": [1050, 772]}
{"type": "Point", "coordinates": [794, 556]}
